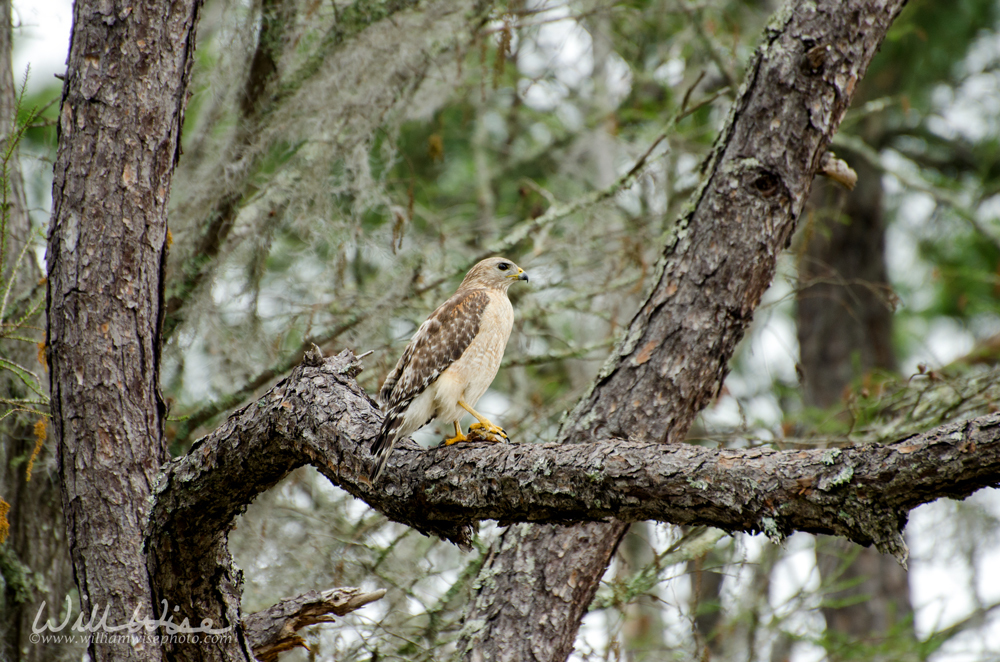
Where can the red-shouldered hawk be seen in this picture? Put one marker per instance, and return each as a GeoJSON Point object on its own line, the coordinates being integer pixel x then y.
{"type": "Point", "coordinates": [451, 360]}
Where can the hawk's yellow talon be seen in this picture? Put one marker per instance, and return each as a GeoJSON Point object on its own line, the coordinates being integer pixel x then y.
{"type": "Point", "coordinates": [458, 435]}
{"type": "Point", "coordinates": [488, 428]}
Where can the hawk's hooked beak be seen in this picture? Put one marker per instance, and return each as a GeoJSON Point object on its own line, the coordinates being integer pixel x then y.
{"type": "Point", "coordinates": [520, 275]}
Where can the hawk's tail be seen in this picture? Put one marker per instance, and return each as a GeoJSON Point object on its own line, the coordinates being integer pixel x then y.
{"type": "Point", "coordinates": [386, 439]}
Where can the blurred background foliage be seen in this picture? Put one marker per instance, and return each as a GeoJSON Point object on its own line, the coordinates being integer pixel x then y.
{"type": "Point", "coordinates": [345, 162]}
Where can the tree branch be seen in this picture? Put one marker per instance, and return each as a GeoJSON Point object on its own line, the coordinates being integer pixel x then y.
{"type": "Point", "coordinates": [320, 416]}
{"type": "Point", "coordinates": [273, 630]}
{"type": "Point", "coordinates": [670, 364]}
{"type": "Point", "coordinates": [672, 360]}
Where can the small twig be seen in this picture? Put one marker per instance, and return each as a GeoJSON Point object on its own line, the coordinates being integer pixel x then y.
{"type": "Point", "coordinates": [687, 94]}
{"type": "Point", "coordinates": [838, 170]}
{"type": "Point", "coordinates": [714, 49]}
{"type": "Point", "coordinates": [703, 102]}
{"type": "Point", "coordinates": [571, 353]}
{"type": "Point", "coordinates": [13, 278]}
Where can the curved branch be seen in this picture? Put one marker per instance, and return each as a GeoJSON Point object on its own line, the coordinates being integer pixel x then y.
{"type": "Point", "coordinates": [715, 267]}
{"type": "Point", "coordinates": [273, 630]}
{"type": "Point", "coordinates": [670, 364]}
{"type": "Point", "coordinates": [320, 416]}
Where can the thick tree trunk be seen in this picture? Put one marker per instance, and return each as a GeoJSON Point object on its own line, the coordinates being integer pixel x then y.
{"type": "Point", "coordinates": [715, 269]}
{"type": "Point", "coordinates": [106, 256]}
{"type": "Point", "coordinates": [559, 595]}
{"type": "Point", "coordinates": [34, 562]}
{"type": "Point", "coordinates": [119, 139]}
{"type": "Point", "coordinates": [845, 331]}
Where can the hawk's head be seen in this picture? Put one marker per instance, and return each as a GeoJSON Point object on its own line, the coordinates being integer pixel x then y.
{"type": "Point", "coordinates": [494, 272]}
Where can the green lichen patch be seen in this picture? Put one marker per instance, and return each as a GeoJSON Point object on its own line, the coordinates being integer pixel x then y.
{"type": "Point", "coordinates": [830, 456]}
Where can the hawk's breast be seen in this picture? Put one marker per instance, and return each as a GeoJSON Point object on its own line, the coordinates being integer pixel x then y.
{"type": "Point", "coordinates": [475, 370]}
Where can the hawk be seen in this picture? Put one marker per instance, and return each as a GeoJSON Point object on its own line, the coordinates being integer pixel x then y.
{"type": "Point", "coordinates": [451, 360]}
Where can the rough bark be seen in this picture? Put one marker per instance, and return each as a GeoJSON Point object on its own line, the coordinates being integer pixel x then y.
{"type": "Point", "coordinates": [119, 136]}
{"type": "Point", "coordinates": [273, 630]}
{"type": "Point", "coordinates": [722, 255]}
{"type": "Point", "coordinates": [670, 364]}
{"type": "Point", "coordinates": [320, 416]}
{"type": "Point", "coordinates": [845, 331]}
{"type": "Point", "coordinates": [559, 595]}
{"type": "Point", "coordinates": [34, 561]}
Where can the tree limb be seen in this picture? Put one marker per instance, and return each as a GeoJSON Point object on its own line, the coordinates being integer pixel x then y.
{"type": "Point", "coordinates": [119, 138]}
{"type": "Point", "coordinates": [670, 364]}
{"type": "Point", "coordinates": [320, 416]}
{"type": "Point", "coordinates": [715, 267]}
{"type": "Point", "coordinates": [273, 630]}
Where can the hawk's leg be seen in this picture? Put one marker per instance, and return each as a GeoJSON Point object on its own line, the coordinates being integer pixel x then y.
{"type": "Point", "coordinates": [458, 436]}
{"type": "Point", "coordinates": [484, 425]}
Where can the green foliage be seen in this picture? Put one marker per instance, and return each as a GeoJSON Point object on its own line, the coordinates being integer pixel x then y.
{"type": "Point", "coordinates": [967, 274]}
{"type": "Point", "coordinates": [21, 302]}
{"type": "Point", "coordinates": [925, 45]}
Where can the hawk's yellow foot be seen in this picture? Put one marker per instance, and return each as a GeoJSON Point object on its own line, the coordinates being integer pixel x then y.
{"type": "Point", "coordinates": [458, 436]}
{"type": "Point", "coordinates": [487, 429]}
{"type": "Point", "coordinates": [483, 429]}
{"type": "Point", "coordinates": [456, 439]}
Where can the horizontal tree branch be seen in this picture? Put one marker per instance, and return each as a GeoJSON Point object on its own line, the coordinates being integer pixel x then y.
{"type": "Point", "coordinates": [274, 630]}
{"type": "Point", "coordinates": [320, 416]}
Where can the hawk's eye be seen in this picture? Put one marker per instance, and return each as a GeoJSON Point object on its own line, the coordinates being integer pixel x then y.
{"type": "Point", "coordinates": [503, 266]}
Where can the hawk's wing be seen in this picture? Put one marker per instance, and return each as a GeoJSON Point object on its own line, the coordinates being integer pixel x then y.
{"type": "Point", "coordinates": [439, 342]}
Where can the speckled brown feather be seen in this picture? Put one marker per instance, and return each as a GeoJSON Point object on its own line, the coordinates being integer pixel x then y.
{"type": "Point", "coordinates": [439, 342]}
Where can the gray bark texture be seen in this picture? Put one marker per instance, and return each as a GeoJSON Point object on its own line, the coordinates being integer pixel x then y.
{"type": "Point", "coordinates": [119, 139]}
{"type": "Point", "coordinates": [320, 416]}
{"type": "Point", "coordinates": [715, 268]}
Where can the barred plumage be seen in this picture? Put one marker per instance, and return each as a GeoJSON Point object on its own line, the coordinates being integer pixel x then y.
{"type": "Point", "coordinates": [386, 436]}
